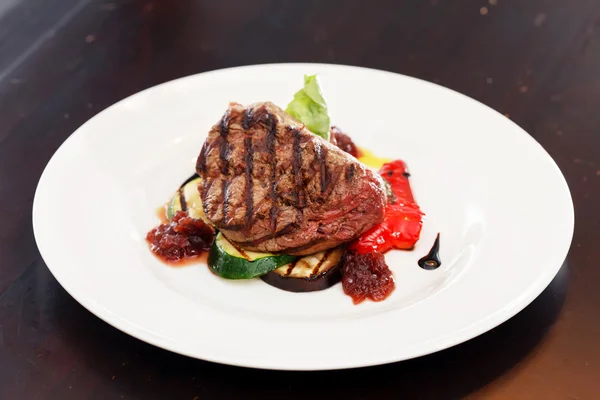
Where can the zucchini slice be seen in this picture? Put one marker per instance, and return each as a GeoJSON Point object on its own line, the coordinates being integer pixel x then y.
{"type": "Point", "coordinates": [231, 262]}
{"type": "Point", "coordinates": [187, 198]}
{"type": "Point", "coordinates": [317, 271]}
{"type": "Point", "coordinates": [173, 206]}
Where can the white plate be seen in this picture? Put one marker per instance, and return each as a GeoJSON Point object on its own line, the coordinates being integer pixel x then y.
{"type": "Point", "coordinates": [500, 202]}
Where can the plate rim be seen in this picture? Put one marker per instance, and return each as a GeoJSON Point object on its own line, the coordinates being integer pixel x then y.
{"type": "Point", "coordinates": [465, 334]}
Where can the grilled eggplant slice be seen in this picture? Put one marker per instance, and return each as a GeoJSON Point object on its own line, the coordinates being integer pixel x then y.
{"type": "Point", "coordinates": [310, 273]}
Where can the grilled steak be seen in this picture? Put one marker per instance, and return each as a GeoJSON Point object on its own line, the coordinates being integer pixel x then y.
{"type": "Point", "coordinates": [271, 185]}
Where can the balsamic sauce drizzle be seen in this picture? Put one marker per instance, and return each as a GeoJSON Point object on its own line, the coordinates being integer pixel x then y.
{"type": "Point", "coordinates": [432, 260]}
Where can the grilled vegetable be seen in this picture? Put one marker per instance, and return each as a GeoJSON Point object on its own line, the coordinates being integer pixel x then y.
{"type": "Point", "coordinates": [174, 206]}
{"type": "Point", "coordinates": [403, 220]}
{"type": "Point", "coordinates": [317, 271]}
{"type": "Point", "coordinates": [187, 199]}
{"type": "Point", "coordinates": [231, 262]}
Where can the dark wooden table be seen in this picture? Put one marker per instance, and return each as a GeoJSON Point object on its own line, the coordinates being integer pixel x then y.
{"type": "Point", "coordinates": [62, 61]}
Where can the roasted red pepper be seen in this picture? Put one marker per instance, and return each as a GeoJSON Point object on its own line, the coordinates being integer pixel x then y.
{"type": "Point", "coordinates": [402, 224]}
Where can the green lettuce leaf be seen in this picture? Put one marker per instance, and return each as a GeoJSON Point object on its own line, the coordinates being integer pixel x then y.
{"type": "Point", "coordinates": [310, 108]}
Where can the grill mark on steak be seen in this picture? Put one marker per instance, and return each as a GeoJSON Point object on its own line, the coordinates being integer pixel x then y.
{"type": "Point", "coordinates": [225, 193]}
{"type": "Point", "coordinates": [296, 169]}
{"type": "Point", "coordinates": [271, 139]}
{"type": "Point", "coordinates": [317, 156]}
{"type": "Point", "coordinates": [206, 185]}
{"type": "Point", "coordinates": [298, 193]}
{"type": "Point", "coordinates": [249, 192]}
{"type": "Point", "coordinates": [224, 146]}
{"type": "Point", "coordinates": [201, 169]}
{"type": "Point", "coordinates": [325, 172]}
{"type": "Point", "coordinates": [247, 121]}
{"type": "Point", "coordinates": [350, 171]}
{"type": "Point", "coordinates": [224, 150]}
{"type": "Point", "coordinates": [321, 164]}
{"type": "Point", "coordinates": [201, 163]}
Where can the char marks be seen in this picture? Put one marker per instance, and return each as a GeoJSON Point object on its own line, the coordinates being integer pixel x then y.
{"type": "Point", "coordinates": [225, 201]}
{"type": "Point", "coordinates": [327, 175]}
{"type": "Point", "coordinates": [321, 165]}
{"type": "Point", "coordinates": [224, 146]}
{"type": "Point", "coordinates": [298, 192]}
{"type": "Point", "coordinates": [201, 169]}
{"type": "Point", "coordinates": [201, 163]}
{"type": "Point", "coordinates": [350, 171]}
{"type": "Point", "coordinates": [291, 267]}
{"type": "Point", "coordinates": [240, 250]}
{"type": "Point", "coordinates": [182, 200]}
{"type": "Point", "coordinates": [270, 141]}
{"type": "Point", "coordinates": [247, 119]}
{"type": "Point", "coordinates": [315, 270]}
{"type": "Point", "coordinates": [324, 170]}
{"type": "Point", "coordinates": [224, 151]}
{"type": "Point", "coordinates": [249, 192]}
{"type": "Point", "coordinates": [247, 122]}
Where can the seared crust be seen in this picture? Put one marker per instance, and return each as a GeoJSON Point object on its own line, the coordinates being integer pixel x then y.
{"type": "Point", "coordinates": [271, 185]}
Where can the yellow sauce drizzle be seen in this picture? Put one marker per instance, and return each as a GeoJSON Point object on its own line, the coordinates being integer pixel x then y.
{"type": "Point", "coordinates": [368, 158]}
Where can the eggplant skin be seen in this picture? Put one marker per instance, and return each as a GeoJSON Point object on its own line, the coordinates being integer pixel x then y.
{"type": "Point", "coordinates": [322, 281]}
